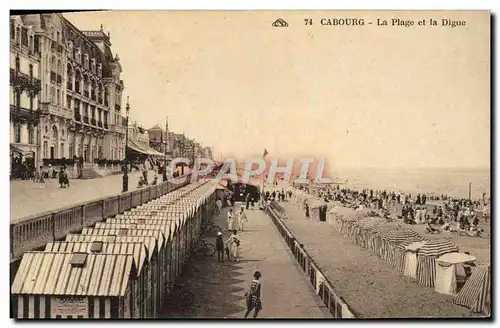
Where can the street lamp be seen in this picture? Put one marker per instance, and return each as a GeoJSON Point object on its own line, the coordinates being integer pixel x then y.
{"type": "Point", "coordinates": [125, 169]}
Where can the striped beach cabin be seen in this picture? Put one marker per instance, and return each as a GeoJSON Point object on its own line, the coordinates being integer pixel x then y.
{"type": "Point", "coordinates": [427, 255]}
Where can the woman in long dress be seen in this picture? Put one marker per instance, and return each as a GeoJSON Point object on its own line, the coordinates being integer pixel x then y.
{"type": "Point", "coordinates": [230, 219]}
{"type": "Point", "coordinates": [242, 218]}
{"type": "Point", "coordinates": [233, 243]}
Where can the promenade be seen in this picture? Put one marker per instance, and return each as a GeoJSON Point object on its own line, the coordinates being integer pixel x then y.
{"type": "Point", "coordinates": [26, 198]}
{"type": "Point", "coordinates": [219, 288]}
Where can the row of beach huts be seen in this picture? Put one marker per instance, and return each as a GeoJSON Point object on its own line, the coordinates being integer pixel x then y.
{"type": "Point", "coordinates": [122, 268]}
{"type": "Point", "coordinates": [433, 263]}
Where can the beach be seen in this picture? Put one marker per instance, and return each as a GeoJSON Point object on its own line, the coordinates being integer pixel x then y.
{"type": "Point", "coordinates": [448, 181]}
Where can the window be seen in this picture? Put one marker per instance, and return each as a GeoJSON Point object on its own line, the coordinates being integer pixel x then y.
{"type": "Point", "coordinates": [52, 94]}
{"type": "Point", "coordinates": [18, 99]}
{"type": "Point", "coordinates": [31, 70]}
{"type": "Point", "coordinates": [24, 37]}
{"type": "Point", "coordinates": [58, 37]}
{"type": "Point", "coordinates": [31, 43]}
{"type": "Point", "coordinates": [18, 63]}
{"type": "Point", "coordinates": [62, 149]}
{"type": "Point", "coordinates": [18, 34]}
{"type": "Point", "coordinates": [36, 44]}
{"type": "Point", "coordinates": [71, 154]}
{"type": "Point", "coordinates": [17, 133]}
{"type": "Point", "coordinates": [45, 150]}
{"type": "Point", "coordinates": [12, 30]}
{"type": "Point", "coordinates": [57, 97]}
{"type": "Point", "coordinates": [31, 135]}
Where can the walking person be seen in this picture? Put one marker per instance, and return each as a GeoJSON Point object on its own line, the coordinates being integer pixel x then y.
{"type": "Point", "coordinates": [253, 296]}
{"type": "Point", "coordinates": [219, 206]}
{"type": "Point", "coordinates": [247, 201]}
{"type": "Point", "coordinates": [41, 177]}
{"type": "Point", "coordinates": [242, 218]}
{"type": "Point", "coordinates": [219, 246]}
{"type": "Point", "coordinates": [230, 219]}
{"type": "Point", "coordinates": [233, 243]}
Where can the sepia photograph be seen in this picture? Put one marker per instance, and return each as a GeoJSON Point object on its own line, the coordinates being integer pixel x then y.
{"type": "Point", "coordinates": [251, 164]}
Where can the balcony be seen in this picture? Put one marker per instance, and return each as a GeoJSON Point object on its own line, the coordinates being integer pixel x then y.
{"type": "Point", "coordinates": [20, 114]}
{"type": "Point", "coordinates": [59, 79]}
{"type": "Point", "coordinates": [99, 124]}
{"type": "Point", "coordinates": [69, 85]}
{"type": "Point", "coordinates": [117, 107]}
{"type": "Point", "coordinates": [78, 117]}
{"type": "Point", "coordinates": [53, 77]}
{"type": "Point", "coordinates": [93, 122]}
{"type": "Point", "coordinates": [86, 119]}
{"type": "Point", "coordinates": [106, 125]}
{"type": "Point", "coordinates": [86, 94]}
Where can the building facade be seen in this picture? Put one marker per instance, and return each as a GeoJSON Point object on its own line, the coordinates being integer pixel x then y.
{"type": "Point", "coordinates": [25, 89]}
{"type": "Point", "coordinates": [81, 92]}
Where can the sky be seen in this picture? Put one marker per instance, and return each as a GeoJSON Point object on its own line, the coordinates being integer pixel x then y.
{"type": "Point", "coordinates": [360, 96]}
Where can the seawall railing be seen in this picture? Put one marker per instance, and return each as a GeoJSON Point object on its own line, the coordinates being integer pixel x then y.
{"type": "Point", "coordinates": [324, 289]}
{"type": "Point", "coordinates": [32, 232]}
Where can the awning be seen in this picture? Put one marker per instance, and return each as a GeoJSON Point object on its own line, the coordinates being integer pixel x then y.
{"type": "Point", "coordinates": [20, 151]}
{"type": "Point", "coordinates": [154, 152]}
{"type": "Point", "coordinates": [135, 147]}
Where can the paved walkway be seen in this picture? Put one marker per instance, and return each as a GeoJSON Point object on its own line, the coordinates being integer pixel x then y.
{"type": "Point", "coordinates": [27, 199]}
{"type": "Point", "coordinates": [219, 288]}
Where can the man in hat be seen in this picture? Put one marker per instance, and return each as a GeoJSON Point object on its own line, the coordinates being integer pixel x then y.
{"type": "Point", "coordinates": [219, 246]}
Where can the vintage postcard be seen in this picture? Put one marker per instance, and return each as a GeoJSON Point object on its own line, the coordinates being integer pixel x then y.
{"type": "Point", "coordinates": [250, 164]}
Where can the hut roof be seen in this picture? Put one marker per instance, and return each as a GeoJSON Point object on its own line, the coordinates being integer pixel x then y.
{"type": "Point", "coordinates": [163, 229]}
{"type": "Point", "coordinates": [137, 249]}
{"type": "Point", "coordinates": [78, 274]}
{"type": "Point", "coordinates": [455, 258]}
{"type": "Point", "coordinates": [148, 241]}
{"type": "Point", "coordinates": [160, 237]}
{"type": "Point", "coordinates": [438, 247]}
{"type": "Point", "coordinates": [399, 235]}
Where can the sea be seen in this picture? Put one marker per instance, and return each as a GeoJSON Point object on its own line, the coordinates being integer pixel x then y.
{"type": "Point", "coordinates": [448, 181]}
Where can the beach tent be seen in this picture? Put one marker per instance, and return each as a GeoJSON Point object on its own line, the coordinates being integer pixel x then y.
{"type": "Point", "coordinates": [395, 255]}
{"type": "Point", "coordinates": [476, 293]}
{"type": "Point", "coordinates": [364, 228]}
{"type": "Point", "coordinates": [375, 238]}
{"type": "Point", "coordinates": [315, 208]}
{"type": "Point", "coordinates": [410, 261]}
{"type": "Point", "coordinates": [446, 271]}
{"type": "Point", "coordinates": [426, 266]}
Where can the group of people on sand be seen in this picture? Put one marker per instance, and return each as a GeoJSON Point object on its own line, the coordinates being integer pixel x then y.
{"type": "Point", "coordinates": [454, 214]}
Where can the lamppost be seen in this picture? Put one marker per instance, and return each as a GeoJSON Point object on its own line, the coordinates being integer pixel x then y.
{"type": "Point", "coordinates": [165, 151]}
{"type": "Point", "coordinates": [125, 169]}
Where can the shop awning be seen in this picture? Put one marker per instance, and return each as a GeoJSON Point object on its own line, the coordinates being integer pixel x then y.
{"type": "Point", "coordinates": [146, 151]}
{"type": "Point", "coordinates": [154, 152]}
{"type": "Point", "coordinates": [135, 147]}
{"type": "Point", "coordinates": [20, 151]}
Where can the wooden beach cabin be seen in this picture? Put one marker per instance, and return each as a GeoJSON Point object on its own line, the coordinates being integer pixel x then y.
{"type": "Point", "coordinates": [137, 249]}
{"type": "Point", "coordinates": [145, 275]}
{"type": "Point", "coordinates": [74, 286]}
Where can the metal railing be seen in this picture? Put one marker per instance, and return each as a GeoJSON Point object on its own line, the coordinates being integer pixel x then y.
{"type": "Point", "coordinates": [33, 232]}
{"type": "Point", "coordinates": [323, 288]}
